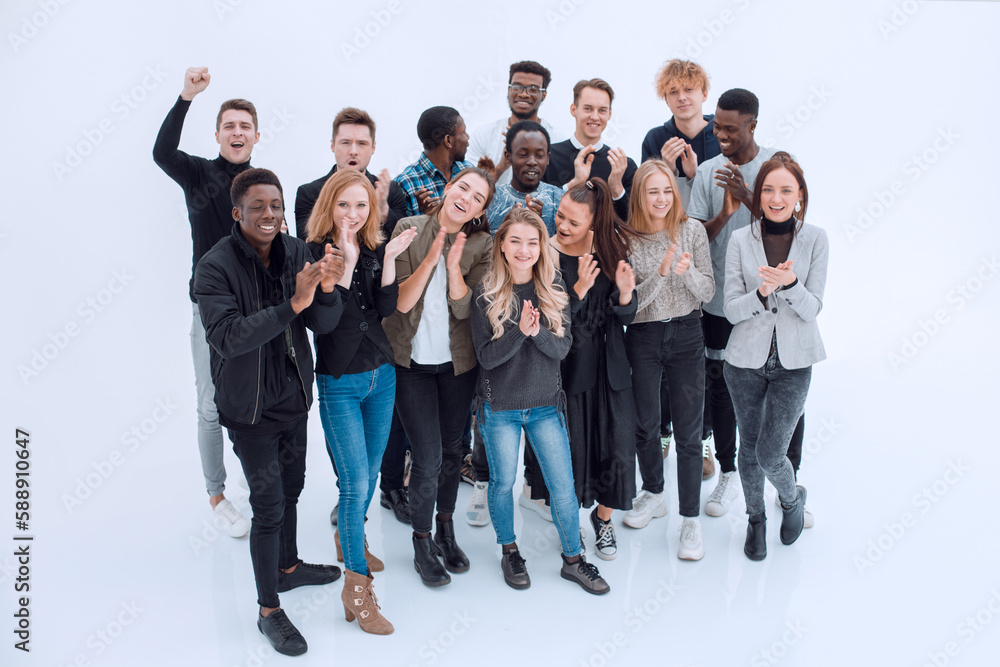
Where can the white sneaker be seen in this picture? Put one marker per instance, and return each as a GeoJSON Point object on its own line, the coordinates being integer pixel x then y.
{"type": "Point", "coordinates": [807, 516]}
{"type": "Point", "coordinates": [691, 547]}
{"type": "Point", "coordinates": [647, 506]}
{"type": "Point", "coordinates": [525, 501]}
{"type": "Point", "coordinates": [478, 513]}
{"type": "Point", "coordinates": [230, 518]}
{"type": "Point", "coordinates": [723, 495]}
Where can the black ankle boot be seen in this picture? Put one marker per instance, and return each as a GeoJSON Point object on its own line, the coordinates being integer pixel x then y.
{"type": "Point", "coordinates": [793, 518]}
{"type": "Point", "coordinates": [454, 558]}
{"type": "Point", "coordinates": [427, 562]}
{"type": "Point", "coordinates": [756, 545]}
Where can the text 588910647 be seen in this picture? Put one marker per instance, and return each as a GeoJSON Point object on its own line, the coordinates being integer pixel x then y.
{"type": "Point", "coordinates": [22, 541]}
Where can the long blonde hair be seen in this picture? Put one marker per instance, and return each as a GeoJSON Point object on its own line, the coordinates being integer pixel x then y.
{"type": "Point", "coordinates": [638, 211]}
{"type": "Point", "coordinates": [498, 283]}
{"type": "Point", "coordinates": [321, 227]}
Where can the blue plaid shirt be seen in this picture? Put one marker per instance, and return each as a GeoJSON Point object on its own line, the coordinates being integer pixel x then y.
{"type": "Point", "coordinates": [423, 174]}
{"type": "Point", "coordinates": [507, 197]}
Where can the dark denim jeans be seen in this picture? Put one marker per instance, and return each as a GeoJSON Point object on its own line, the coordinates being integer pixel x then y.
{"type": "Point", "coordinates": [718, 402]}
{"type": "Point", "coordinates": [394, 459]}
{"type": "Point", "coordinates": [433, 404]}
{"type": "Point", "coordinates": [356, 410]}
{"type": "Point", "coordinates": [275, 467]}
{"type": "Point", "coordinates": [675, 348]}
{"type": "Point", "coordinates": [769, 402]}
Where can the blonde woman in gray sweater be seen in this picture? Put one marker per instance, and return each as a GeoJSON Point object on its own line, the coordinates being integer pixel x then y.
{"type": "Point", "coordinates": [674, 276]}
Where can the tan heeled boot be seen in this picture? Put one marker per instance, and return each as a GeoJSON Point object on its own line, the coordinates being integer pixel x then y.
{"type": "Point", "coordinates": [360, 602]}
{"type": "Point", "coordinates": [374, 564]}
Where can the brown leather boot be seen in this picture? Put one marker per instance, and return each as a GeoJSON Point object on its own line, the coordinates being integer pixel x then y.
{"type": "Point", "coordinates": [374, 564]}
{"type": "Point", "coordinates": [360, 602]}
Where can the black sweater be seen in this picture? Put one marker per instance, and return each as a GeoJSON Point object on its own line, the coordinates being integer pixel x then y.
{"type": "Point", "coordinates": [307, 195]}
{"type": "Point", "coordinates": [206, 185]}
{"type": "Point", "coordinates": [561, 170]}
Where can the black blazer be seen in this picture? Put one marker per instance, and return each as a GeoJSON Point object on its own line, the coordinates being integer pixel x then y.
{"type": "Point", "coordinates": [307, 195]}
{"type": "Point", "coordinates": [364, 307]}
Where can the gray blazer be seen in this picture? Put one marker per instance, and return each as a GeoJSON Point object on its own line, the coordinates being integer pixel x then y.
{"type": "Point", "coordinates": [792, 312]}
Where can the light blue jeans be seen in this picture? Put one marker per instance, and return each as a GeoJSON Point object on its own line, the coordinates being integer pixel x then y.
{"type": "Point", "coordinates": [211, 444]}
{"type": "Point", "coordinates": [546, 431]}
{"type": "Point", "coordinates": [356, 411]}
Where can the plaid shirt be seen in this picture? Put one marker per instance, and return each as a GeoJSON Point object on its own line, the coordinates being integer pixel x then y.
{"type": "Point", "coordinates": [423, 174]}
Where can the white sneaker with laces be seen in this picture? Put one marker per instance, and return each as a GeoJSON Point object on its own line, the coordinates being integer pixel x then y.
{"type": "Point", "coordinates": [691, 547]}
{"type": "Point", "coordinates": [478, 513]}
{"type": "Point", "coordinates": [230, 518]}
{"type": "Point", "coordinates": [647, 506]}
{"type": "Point", "coordinates": [525, 501]}
{"type": "Point", "coordinates": [723, 495]}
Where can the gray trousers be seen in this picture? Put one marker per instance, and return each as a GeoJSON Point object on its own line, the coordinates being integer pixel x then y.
{"type": "Point", "coordinates": [768, 402]}
{"type": "Point", "coordinates": [210, 440]}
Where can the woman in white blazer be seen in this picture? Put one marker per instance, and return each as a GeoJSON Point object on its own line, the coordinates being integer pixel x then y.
{"type": "Point", "coordinates": [775, 277]}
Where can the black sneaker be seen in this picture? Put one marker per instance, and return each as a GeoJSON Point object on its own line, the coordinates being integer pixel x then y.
{"type": "Point", "coordinates": [398, 501]}
{"type": "Point", "coordinates": [514, 571]}
{"type": "Point", "coordinates": [284, 638]}
{"type": "Point", "coordinates": [584, 574]}
{"type": "Point", "coordinates": [307, 574]}
{"type": "Point", "coordinates": [468, 474]}
{"type": "Point", "coordinates": [605, 543]}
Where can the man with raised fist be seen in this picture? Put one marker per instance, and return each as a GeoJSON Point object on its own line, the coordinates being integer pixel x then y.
{"type": "Point", "coordinates": [257, 294]}
{"type": "Point", "coordinates": [206, 185]}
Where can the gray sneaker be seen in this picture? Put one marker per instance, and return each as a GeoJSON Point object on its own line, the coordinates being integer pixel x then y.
{"type": "Point", "coordinates": [514, 571]}
{"type": "Point", "coordinates": [584, 574]}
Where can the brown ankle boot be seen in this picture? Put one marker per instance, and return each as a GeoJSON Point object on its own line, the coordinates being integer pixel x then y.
{"type": "Point", "coordinates": [374, 564]}
{"type": "Point", "coordinates": [360, 602]}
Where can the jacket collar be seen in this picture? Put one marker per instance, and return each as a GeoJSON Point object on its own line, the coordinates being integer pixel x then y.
{"type": "Point", "coordinates": [277, 249]}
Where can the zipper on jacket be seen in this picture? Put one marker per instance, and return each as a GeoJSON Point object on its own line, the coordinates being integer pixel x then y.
{"type": "Point", "coordinates": [291, 352]}
{"type": "Point", "coordinates": [260, 351]}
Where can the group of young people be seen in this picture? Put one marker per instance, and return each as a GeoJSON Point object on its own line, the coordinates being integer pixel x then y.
{"type": "Point", "coordinates": [503, 283]}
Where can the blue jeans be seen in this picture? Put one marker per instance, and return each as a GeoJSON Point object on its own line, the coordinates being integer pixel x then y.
{"type": "Point", "coordinates": [356, 411]}
{"type": "Point", "coordinates": [546, 431]}
{"type": "Point", "coordinates": [769, 402]}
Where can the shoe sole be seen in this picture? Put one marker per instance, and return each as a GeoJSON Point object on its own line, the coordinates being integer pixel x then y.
{"type": "Point", "coordinates": [517, 587]}
{"type": "Point", "coordinates": [584, 587]}
{"type": "Point", "coordinates": [759, 557]}
{"type": "Point", "coordinates": [646, 523]}
{"type": "Point", "coordinates": [695, 556]}
{"type": "Point", "coordinates": [714, 512]}
{"type": "Point", "coordinates": [432, 584]}
{"type": "Point", "coordinates": [603, 556]}
{"type": "Point", "coordinates": [277, 649]}
{"type": "Point", "coordinates": [472, 521]}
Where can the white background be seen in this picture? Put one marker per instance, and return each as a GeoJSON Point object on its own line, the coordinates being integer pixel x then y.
{"type": "Point", "coordinates": [874, 86]}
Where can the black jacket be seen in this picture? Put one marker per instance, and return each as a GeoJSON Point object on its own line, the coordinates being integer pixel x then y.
{"type": "Point", "coordinates": [248, 339]}
{"type": "Point", "coordinates": [561, 170]}
{"type": "Point", "coordinates": [364, 307]}
{"type": "Point", "coordinates": [206, 185]}
{"type": "Point", "coordinates": [307, 195]}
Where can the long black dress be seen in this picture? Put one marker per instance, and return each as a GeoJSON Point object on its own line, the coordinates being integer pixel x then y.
{"type": "Point", "coordinates": [597, 380]}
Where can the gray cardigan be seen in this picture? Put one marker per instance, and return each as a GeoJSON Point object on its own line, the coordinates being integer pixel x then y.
{"type": "Point", "coordinates": [791, 313]}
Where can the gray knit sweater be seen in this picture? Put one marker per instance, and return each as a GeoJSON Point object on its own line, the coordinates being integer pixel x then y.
{"type": "Point", "coordinates": [674, 296]}
{"type": "Point", "coordinates": [518, 372]}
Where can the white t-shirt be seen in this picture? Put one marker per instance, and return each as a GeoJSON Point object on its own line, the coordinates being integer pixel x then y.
{"type": "Point", "coordinates": [431, 343]}
{"type": "Point", "coordinates": [488, 140]}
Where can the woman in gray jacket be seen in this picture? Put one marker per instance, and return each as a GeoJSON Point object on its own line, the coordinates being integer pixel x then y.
{"type": "Point", "coordinates": [775, 277]}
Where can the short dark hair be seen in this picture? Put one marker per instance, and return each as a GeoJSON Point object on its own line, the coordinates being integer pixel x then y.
{"type": "Point", "coordinates": [238, 104]}
{"type": "Point", "coordinates": [525, 126]}
{"type": "Point", "coordinates": [249, 178]}
{"type": "Point", "coordinates": [597, 84]}
{"type": "Point", "coordinates": [353, 116]}
{"type": "Point", "coordinates": [741, 101]}
{"type": "Point", "coordinates": [530, 67]}
{"type": "Point", "coordinates": [435, 124]}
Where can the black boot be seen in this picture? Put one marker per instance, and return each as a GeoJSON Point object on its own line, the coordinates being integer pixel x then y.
{"type": "Point", "coordinates": [454, 558]}
{"type": "Point", "coordinates": [794, 517]}
{"type": "Point", "coordinates": [427, 562]}
{"type": "Point", "coordinates": [756, 546]}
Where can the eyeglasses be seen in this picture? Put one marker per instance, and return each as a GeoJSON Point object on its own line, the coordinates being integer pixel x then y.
{"type": "Point", "coordinates": [517, 89]}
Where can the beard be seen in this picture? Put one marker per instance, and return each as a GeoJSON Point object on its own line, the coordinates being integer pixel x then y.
{"type": "Point", "coordinates": [524, 116]}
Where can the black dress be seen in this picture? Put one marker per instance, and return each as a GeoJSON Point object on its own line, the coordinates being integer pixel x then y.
{"type": "Point", "coordinates": [598, 385]}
